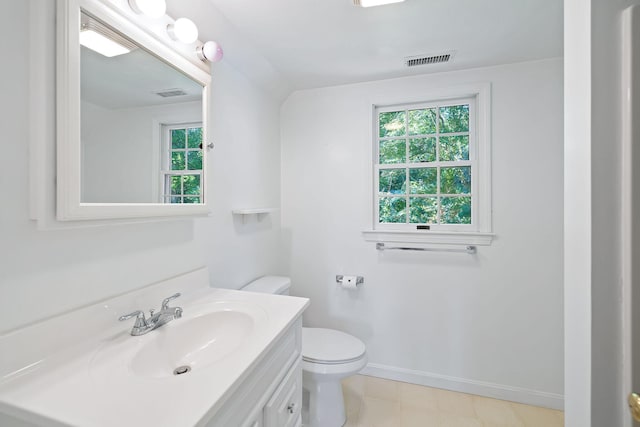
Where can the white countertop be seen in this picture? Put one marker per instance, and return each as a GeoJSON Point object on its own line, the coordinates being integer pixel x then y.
{"type": "Point", "coordinates": [85, 385]}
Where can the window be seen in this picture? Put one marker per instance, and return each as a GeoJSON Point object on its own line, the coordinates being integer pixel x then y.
{"type": "Point", "coordinates": [182, 164]}
{"type": "Point", "coordinates": [424, 165]}
{"type": "Point", "coordinates": [431, 170]}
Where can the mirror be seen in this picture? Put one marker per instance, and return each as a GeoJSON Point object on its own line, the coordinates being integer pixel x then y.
{"type": "Point", "coordinates": [141, 127]}
{"type": "Point", "coordinates": [133, 119]}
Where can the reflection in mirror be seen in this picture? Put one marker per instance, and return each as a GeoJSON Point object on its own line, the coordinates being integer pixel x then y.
{"type": "Point", "coordinates": [141, 123]}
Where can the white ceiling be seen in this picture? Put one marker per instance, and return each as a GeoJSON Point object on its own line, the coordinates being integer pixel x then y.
{"type": "Point", "coordinates": [296, 44]}
{"type": "Point", "coordinates": [326, 42]}
{"type": "Point", "coordinates": [131, 80]}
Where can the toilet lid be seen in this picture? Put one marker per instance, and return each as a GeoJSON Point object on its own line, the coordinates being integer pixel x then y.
{"type": "Point", "coordinates": [330, 346]}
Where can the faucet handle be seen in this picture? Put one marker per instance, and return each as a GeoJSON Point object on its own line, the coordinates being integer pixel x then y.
{"type": "Point", "coordinates": [165, 302]}
{"type": "Point", "coordinates": [140, 319]}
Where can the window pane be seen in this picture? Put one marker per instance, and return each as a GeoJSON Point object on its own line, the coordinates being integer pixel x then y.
{"type": "Point", "coordinates": [392, 209]}
{"type": "Point", "coordinates": [422, 122]}
{"type": "Point", "coordinates": [177, 160]}
{"type": "Point", "coordinates": [177, 138]}
{"type": "Point", "coordinates": [422, 150]}
{"type": "Point", "coordinates": [455, 210]}
{"type": "Point", "coordinates": [455, 180]}
{"type": "Point", "coordinates": [176, 187]}
{"type": "Point", "coordinates": [393, 151]}
{"type": "Point", "coordinates": [423, 210]}
{"type": "Point", "coordinates": [423, 180]}
{"type": "Point", "coordinates": [194, 160]}
{"type": "Point", "coordinates": [191, 184]}
{"type": "Point", "coordinates": [392, 124]}
{"type": "Point", "coordinates": [192, 200]}
{"type": "Point", "coordinates": [454, 118]}
{"type": "Point", "coordinates": [194, 137]}
{"type": "Point", "coordinates": [453, 148]}
{"type": "Point", "coordinates": [176, 200]}
{"type": "Point", "coordinates": [392, 181]}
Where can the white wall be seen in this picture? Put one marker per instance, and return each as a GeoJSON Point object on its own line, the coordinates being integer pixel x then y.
{"type": "Point", "coordinates": [491, 323]}
{"type": "Point", "coordinates": [45, 272]}
{"type": "Point", "coordinates": [121, 150]}
{"type": "Point", "coordinates": [245, 173]}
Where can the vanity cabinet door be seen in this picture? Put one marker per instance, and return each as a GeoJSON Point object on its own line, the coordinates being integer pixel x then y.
{"type": "Point", "coordinates": [255, 421]}
{"type": "Point", "coordinates": [284, 407]}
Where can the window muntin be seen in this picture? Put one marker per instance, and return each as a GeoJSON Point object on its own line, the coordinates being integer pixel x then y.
{"type": "Point", "coordinates": [182, 169]}
{"type": "Point", "coordinates": [425, 169]}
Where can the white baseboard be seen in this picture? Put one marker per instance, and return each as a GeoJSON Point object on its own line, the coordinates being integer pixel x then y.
{"type": "Point", "coordinates": [481, 388]}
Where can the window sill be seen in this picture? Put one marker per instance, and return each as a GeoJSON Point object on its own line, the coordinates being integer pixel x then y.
{"type": "Point", "coordinates": [435, 237]}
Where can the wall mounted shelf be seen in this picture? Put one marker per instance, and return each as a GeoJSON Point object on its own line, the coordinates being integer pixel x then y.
{"type": "Point", "coordinates": [258, 212]}
{"type": "Point", "coordinates": [253, 211]}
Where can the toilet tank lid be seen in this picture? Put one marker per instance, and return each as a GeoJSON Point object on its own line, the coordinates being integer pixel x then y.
{"type": "Point", "coordinates": [269, 285]}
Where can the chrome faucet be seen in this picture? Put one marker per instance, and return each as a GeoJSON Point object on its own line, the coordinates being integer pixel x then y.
{"type": "Point", "coordinates": [155, 320]}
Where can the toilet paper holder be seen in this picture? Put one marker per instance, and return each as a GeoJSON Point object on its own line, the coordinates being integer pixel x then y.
{"type": "Point", "coordinates": [340, 279]}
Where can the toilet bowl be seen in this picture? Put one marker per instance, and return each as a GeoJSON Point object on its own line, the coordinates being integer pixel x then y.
{"type": "Point", "coordinates": [328, 356]}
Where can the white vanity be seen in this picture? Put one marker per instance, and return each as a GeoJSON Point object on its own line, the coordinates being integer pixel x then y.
{"type": "Point", "coordinates": [241, 352]}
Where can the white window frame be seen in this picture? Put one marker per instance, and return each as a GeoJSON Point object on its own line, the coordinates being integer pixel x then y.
{"type": "Point", "coordinates": [479, 231]}
{"type": "Point", "coordinates": [166, 172]}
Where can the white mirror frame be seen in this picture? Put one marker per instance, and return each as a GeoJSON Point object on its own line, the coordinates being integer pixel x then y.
{"type": "Point", "coordinates": [153, 38]}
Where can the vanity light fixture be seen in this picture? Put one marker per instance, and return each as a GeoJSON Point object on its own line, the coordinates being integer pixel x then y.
{"type": "Point", "coordinates": [183, 30]}
{"type": "Point", "coordinates": [370, 3]}
{"type": "Point", "coordinates": [151, 8]}
{"type": "Point", "coordinates": [210, 51]}
{"type": "Point", "coordinates": [102, 39]}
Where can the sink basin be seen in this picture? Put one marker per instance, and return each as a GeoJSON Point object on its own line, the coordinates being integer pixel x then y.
{"type": "Point", "coordinates": [192, 343]}
{"type": "Point", "coordinates": [201, 338]}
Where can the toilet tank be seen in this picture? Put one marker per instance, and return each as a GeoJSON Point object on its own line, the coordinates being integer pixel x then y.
{"type": "Point", "coordinates": [278, 285]}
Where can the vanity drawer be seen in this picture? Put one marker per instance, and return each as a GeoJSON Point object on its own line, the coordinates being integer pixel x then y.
{"type": "Point", "coordinates": [283, 409]}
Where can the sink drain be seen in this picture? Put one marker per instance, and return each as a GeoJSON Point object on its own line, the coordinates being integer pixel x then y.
{"type": "Point", "coordinates": [181, 370]}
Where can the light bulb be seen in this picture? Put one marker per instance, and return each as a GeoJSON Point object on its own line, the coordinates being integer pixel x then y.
{"type": "Point", "coordinates": [183, 30]}
{"type": "Point", "coordinates": [151, 8]}
{"type": "Point", "coordinates": [210, 51]}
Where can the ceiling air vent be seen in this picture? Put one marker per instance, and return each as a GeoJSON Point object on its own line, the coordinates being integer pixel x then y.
{"type": "Point", "coordinates": [414, 61]}
{"type": "Point", "coordinates": [171, 92]}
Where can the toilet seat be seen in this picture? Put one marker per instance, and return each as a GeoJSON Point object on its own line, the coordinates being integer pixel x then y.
{"type": "Point", "coordinates": [330, 347]}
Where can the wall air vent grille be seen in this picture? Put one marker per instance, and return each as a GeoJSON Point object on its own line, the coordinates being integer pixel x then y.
{"type": "Point", "coordinates": [414, 61]}
{"type": "Point", "coordinates": [171, 92]}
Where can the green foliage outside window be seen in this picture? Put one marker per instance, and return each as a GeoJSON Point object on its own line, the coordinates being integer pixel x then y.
{"type": "Point", "coordinates": [393, 151]}
{"type": "Point", "coordinates": [392, 124]}
{"type": "Point", "coordinates": [177, 160]}
{"type": "Point", "coordinates": [194, 160]}
{"type": "Point", "coordinates": [194, 137]}
{"type": "Point", "coordinates": [422, 122]}
{"type": "Point", "coordinates": [392, 181]}
{"type": "Point", "coordinates": [422, 150]}
{"type": "Point", "coordinates": [185, 155]}
{"type": "Point", "coordinates": [178, 138]}
{"type": "Point", "coordinates": [453, 148]}
{"type": "Point", "coordinates": [424, 210]}
{"type": "Point", "coordinates": [393, 209]}
{"type": "Point", "coordinates": [454, 119]}
{"type": "Point", "coordinates": [424, 195]}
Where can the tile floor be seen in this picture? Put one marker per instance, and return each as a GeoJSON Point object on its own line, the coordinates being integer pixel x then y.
{"type": "Point", "coordinates": [376, 402]}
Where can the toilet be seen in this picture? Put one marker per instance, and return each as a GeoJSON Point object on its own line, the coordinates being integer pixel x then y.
{"type": "Point", "coordinates": [328, 356]}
